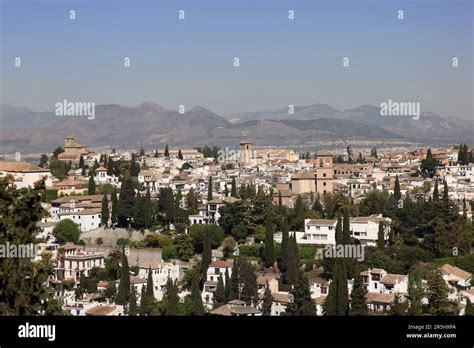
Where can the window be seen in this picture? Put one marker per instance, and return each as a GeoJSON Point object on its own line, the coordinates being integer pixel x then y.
{"type": "Point", "coordinates": [324, 183]}
{"type": "Point", "coordinates": [324, 175]}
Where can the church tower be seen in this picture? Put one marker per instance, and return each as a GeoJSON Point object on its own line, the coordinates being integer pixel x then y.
{"type": "Point", "coordinates": [324, 172]}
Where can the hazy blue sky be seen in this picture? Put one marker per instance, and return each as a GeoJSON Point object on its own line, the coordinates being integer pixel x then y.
{"type": "Point", "coordinates": [282, 61]}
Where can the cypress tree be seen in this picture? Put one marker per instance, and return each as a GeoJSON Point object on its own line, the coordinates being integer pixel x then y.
{"type": "Point", "coordinates": [192, 202]}
{"type": "Point", "coordinates": [104, 215]}
{"type": "Point", "coordinates": [91, 190]}
{"type": "Point", "coordinates": [142, 151]}
{"type": "Point", "coordinates": [123, 293]}
{"type": "Point", "coordinates": [280, 200]}
{"type": "Point", "coordinates": [337, 300]}
{"type": "Point", "coordinates": [149, 285]}
{"type": "Point", "coordinates": [249, 282]}
{"type": "Point", "coordinates": [381, 236]}
{"type": "Point", "coordinates": [209, 189]}
{"type": "Point", "coordinates": [292, 261]}
{"type": "Point", "coordinates": [171, 298]}
{"type": "Point", "coordinates": [339, 236]}
{"type": "Point", "coordinates": [81, 162]}
{"type": "Point", "coordinates": [269, 250]}
{"type": "Point", "coordinates": [110, 167]}
{"type": "Point", "coordinates": [126, 203]}
{"type": "Point", "coordinates": [114, 207]}
{"type": "Point", "coordinates": [180, 155]}
{"type": "Point", "coordinates": [167, 152]}
{"type": "Point", "coordinates": [156, 153]}
{"type": "Point", "coordinates": [435, 191]}
{"type": "Point", "coordinates": [143, 310]}
{"type": "Point", "coordinates": [234, 287]}
{"type": "Point", "coordinates": [147, 210]}
{"type": "Point", "coordinates": [132, 310]}
{"type": "Point", "coordinates": [220, 292]}
{"type": "Point", "coordinates": [233, 189]}
{"type": "Point", "coordinates": [396, 190]}
{"type": "Point", "coordinates": [415, 292]}
{"type": "Point", "coordinates": [267, 302]}
{"type": "Point", "coordinates": [445, 194]}
{"type": "Point", "coordinates": [346, 230]}
{"type": "Point", "coordinates": [302, 303]}
{"type": "Point", "coordinates": [139, 212]}
{"type": "Point", "coordinates": [198, 308]}
{"type": "Point", "coordinates": [227, 285]}
{"type": "Point", "coordinates": [206, 255]}
{"type": "Point", "coordinates": [358, 301]}
{"type": "Point", "coordinates": [226, 191]}
{"type": "Point", "coordinates": [282, 265]}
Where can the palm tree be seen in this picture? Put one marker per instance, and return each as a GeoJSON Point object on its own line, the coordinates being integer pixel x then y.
{"type": "Point", "coordinates": [116, 258]}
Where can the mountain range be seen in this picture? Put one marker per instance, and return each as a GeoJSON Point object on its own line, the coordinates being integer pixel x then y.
{"type": "Point", "coordinates": [151, 125]}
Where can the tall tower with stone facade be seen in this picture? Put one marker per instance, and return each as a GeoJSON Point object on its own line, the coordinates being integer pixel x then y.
{"type": "Point", "coordinates": [324, 172]}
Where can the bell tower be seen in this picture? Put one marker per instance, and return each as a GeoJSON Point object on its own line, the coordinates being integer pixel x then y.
{"type": "Point", "coordinates": [324, 172]}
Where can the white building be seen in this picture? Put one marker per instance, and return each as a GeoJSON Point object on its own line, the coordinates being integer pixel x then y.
{"type": "Point", "coordinates": [87, 219]}
{"type": "Point", "coordinates": [323, 231]}
{"type": "Point", "coordinates": [216, 270]}
{"type": "Point", "coordinates": [160, 272]}
{"type": "Point", "coordinates": [77, 262]}
{"type": "Point", "coordinates": [377, 280]}
{"type": "Point", "coordinates": [25, 174]}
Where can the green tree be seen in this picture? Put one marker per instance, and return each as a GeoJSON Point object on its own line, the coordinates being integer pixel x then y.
{"type": "Point", "coordinates": [234, 287]}
{"type": "Point", "coordinates": [192, 202]}
{"type": "Point", "coordinates": [206, 255]}
{"type": "Point", "coordinates": [220, 292]}
{"type": "Point", "coordinates": [24, 289]}
{"type": "Point", "coordinates": [337, 300]}
{"type": "Point", "coordinates": [396, 189]}
{"type": "Point", "coordinates": [428, 165]}
{"type": "Point", "coordinates": [198, 308]}
{"type": "Point", "coordinates": [293, 262]}
{"type": "Point", "coordinates": [381, 236]}
{"type": "Point", "coordinates": [184, 247]}
{"type": "Point", "coordinates": [302, 304]}
{"type": "Point", "coordinates": [123, 294]}
{"type": "Point", "coordinates": [114, 208]}
{"type": "Point", "coordinates": [358, 301]}
{"type": "Point", "coordinates": [339, 237]}
{"type": "Point", "coordinates": [126, 203]}
{"type": "Point", "coordinates": [180, 155]}
{"type": "Point", "coordinates": [269, 250]}
{"type": "Point", "coordinates": [233, 189]}
{"type": "Point", "coordinates": [132, 309]}
{"type": "Point", "coordinates": [104, 216]}
{"type": "Point", "coordinates": [283, 260]}
{"type": "Point", "coordinates": [248, 282]}
{"type": "Point", "coordinates": [67, 231]}
{"type": "Point", "coordinates": [415, 291]}
{"type": "Point", "coordinates": [438, 303]}
{"type": "Point", "coordinates": [267, 302]}
{"type": "Point", "coordinates": [171, 298]}
{"type": "Point", "coordinates": [91, 189]}
{"type": "Point", "coordinates": [167, 152]}
{"type": "Point", "coordinates": [436, 192]}
{"type": "Point", "coordinates": [227, 284]}
{"type": "Point", "coordinates": [346, 229]}
{"type": "Point", "coordinates": [43, 161]}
